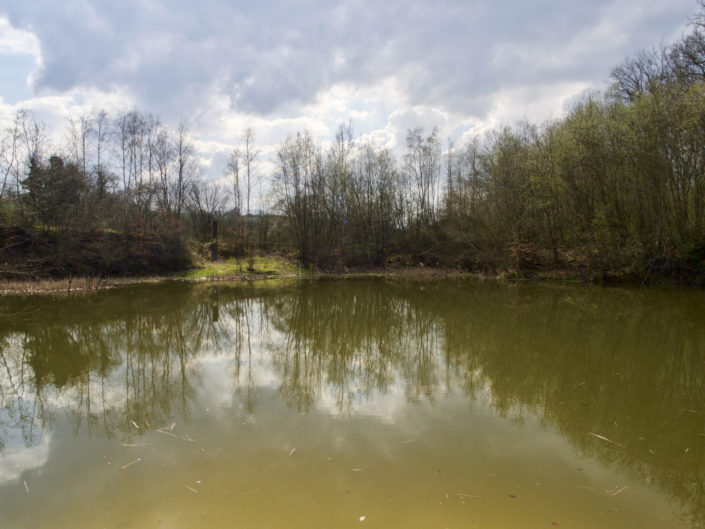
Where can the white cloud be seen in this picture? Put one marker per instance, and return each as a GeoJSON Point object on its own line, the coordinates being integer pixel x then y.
{"type": "Point", "coordinates": [280, 67]}
{"type": "Point", "coordinates": [17, 460]}
{"type": "Point", "coordinates": [14, 40]}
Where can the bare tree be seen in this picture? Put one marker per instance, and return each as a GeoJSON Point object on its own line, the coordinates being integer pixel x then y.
{"type": "Point", "coordinates": [233, 169]}
{"type": "Point", "coordinates": [296, 186]}
{"type": "Point", "coordinates": [163, 155]}
{"type": "Point", "coordinates": [100, 131]}
{"type": "Point", "coordinates": [20, 143]}
{"type": "Point", "coordinates": [206, 203]}
{"type": "Point", "coordinates": [248, 156]}
{"type": "Point", "coordinates": [186, 166]}
{"type": "Point", "coordinates": [10, 146]}
{"type": "Point", "coordinates": [80, 129]}
{"type": "Point", "coordinates": [642, 73]}
{"type": "Point", "coordinates": [423, 164]}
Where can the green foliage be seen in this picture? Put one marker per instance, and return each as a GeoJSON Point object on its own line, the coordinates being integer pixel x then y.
{"type": "Point", "coordinates": [616, 188]}
{"type": "Point", "coordinates": [55, 191]}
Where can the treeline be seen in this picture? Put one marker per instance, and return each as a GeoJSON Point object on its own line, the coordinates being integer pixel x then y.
{"type": "Point", "coordinates": [122, 195]}
{"type": "Point", "coordinates": [614, 189]}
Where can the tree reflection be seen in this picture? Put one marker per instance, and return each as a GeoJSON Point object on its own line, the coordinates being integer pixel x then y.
{"type": "Point", "coordinates": [627, 365]}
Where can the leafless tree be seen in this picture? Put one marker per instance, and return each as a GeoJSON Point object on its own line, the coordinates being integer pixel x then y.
{"type": "Point", "coordinates": [233, 169]}
{"type": "Point", "coordinates": [80, 130]}
{"type": "Point", "coordinates": [206, 203]}
{"type": "Point", "coordinates": [186, 167]}
{"type": "Point", "coordinates": [423, 164]}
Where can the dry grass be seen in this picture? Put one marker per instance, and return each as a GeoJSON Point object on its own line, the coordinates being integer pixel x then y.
{"type": "Point", "coordinates": [83, 284]}
{"type": "Point", "coordinates": [271, 269]}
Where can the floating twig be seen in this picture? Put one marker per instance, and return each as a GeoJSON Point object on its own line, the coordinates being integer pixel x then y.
{"type": "Point", "coordinates": [26, 487]}
{"type": "Point", "coordinates": [602, 438]}
{"type": "Point", "coordinates": [135, 424]}
{"type": "Point", "coordinates": [615, 491]}
{"type": "Point", "coordinates": [168, 433]}
{"type": "Point", "coordinates": [191, 489]}
{"type": "Point", "coordinates": [123, 467]}
{"type": "Point", "coordinates": [291, 452]}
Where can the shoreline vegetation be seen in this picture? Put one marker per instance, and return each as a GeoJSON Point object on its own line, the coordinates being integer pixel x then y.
{"type": "Point", "coordinates": [274, 268]}
{"type": "Point", "coordinates": [614, 192]}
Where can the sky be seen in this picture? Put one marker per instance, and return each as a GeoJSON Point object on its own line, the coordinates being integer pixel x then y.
{"type": "Point", "coordinates": [464, 66]}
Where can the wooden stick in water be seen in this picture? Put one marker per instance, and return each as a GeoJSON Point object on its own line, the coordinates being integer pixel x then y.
{"type": "Point", "coordinates": [123, 467]}
{"type": "Point", "coordinates": [600, 437]}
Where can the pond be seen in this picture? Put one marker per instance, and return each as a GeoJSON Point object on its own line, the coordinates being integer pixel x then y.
{"type": "Point", "coordinates": [353, 403]}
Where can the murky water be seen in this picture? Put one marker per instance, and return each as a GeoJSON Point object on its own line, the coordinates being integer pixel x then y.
{"type": "Point", "coordinates": [447, 404]}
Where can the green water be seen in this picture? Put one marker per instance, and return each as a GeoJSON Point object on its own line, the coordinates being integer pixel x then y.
{"type": "Point", "coordinates": [334, 404]}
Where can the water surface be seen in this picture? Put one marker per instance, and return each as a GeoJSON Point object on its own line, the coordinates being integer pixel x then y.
{"type": "Point", "coordinates": [353, 404]}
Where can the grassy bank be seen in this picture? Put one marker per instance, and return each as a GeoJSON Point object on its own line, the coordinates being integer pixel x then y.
{"type": "Point", "coordinates": [271, 267]}
{"type": "Point", "coordinates": [261, 267]}
{"type": "Point", "coordinates": [255, 267]}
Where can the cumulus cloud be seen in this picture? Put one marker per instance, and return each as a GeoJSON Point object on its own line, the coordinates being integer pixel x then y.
{"type": "Point", "coordinates": [288, 64]}
{"type": "Point", "coordinates": [269, 54]}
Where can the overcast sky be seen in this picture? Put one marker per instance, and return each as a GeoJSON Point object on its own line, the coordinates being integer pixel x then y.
{"type": "Point", "coordinates": [282, 66]}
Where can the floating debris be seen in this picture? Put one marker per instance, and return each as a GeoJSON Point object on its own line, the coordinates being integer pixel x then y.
{"type": "Point", "coordinates": [462, 496]}
{"type": "Point", "coordinates": [357, 470]}
{"type": "Point", "coordinates": [191, 489]}
{"type": "Point", "coordinates": [123, 467]}
{"type": "Point", "coordinates": [26, 488]}
{"type": "Point", "coordinates": [133, 445]}
{"type": "Point", "coordinates": [615, 491]}
{"type": "Point", "coordinates": [291, 452]}
{"type": "Point", "coordinates": [408, 441]}
{"type": "Point", "coordinates": [168, 433]}
{"type": "Point", "coordinates": [362, 518]}
{"type": "Point", "coordinates": [135, 424]}
{"type": "Point", "coordinates": [602, 438]}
